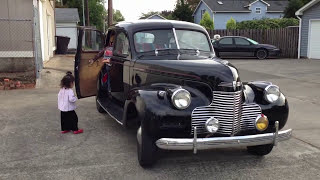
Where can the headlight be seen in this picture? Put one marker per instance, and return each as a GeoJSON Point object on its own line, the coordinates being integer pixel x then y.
{"type": "Point", "coordinates": [181, 99]}
{"type": "Point", "coordinates": [272, 93]}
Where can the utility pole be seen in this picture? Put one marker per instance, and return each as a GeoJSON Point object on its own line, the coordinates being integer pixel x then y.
{"type": "Point", "coordinates": [110, 13]}
{"type": "Point", "coordinates": [83, 15]}
{"type": "Point", "coordinates": [87, 13]}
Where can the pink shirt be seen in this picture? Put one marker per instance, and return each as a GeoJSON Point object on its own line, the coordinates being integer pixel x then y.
{"type": "Point", "coordinates": [66, 100]}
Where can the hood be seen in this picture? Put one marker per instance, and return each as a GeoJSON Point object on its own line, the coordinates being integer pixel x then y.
{"type": "Point", "coordinates": [267, 46]}
{"type": "Point", "coordinates": [214, 72]}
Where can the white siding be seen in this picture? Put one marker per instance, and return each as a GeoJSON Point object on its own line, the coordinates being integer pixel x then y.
{"type": "Point", "coordinates": [69, 30]}
{"type": "Point", "coordinates": [312, 13]}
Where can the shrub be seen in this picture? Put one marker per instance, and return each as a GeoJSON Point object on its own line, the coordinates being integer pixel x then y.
{"type": "Point", "coordinates": [231, 24]}
{"type": "Point", "coordinates": [268, 23]}
{"type": "Point", "coordinates": [207, 22]}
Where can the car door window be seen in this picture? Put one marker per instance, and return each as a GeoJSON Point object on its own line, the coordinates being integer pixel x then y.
{"type": "Point", "coordinates": [241, 42]}
{"type": "Point", "coordinates": [92, 40]}
{"type": "Point", "coordinates": [226, 41]}
{"type": "Point", "coordinates": [122, 45]}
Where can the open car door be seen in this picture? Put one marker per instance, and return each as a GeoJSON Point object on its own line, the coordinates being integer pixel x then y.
{"type": "Point", "coordinates": [90, 43]}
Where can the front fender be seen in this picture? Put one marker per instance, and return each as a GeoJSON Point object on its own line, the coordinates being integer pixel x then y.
{"type": "Point", "coordinates": [157, 113]}
{"type": "Point", "coordinates": [278, 111]}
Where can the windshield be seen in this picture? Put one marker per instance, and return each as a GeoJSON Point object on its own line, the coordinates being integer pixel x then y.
{"type": "Point", "coordinates": [156, 39]}
{"type": "Point", "coordinates": [192, 40]}
{"type": "Point", "coordinates": [146, 41]}
{"type": "Point", "coordinates": [252, 41]}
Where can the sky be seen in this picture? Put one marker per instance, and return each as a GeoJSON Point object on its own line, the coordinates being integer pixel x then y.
{"type": "Point", "coordinates": [132, 9]}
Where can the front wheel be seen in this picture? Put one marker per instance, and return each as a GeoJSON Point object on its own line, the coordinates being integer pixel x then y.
{"type": "Point", "coordinates": [260, 150]}
{"type": "Point", "coordinates": [146, 148]}
{"type": "Point", "coordinates": [261, 54]}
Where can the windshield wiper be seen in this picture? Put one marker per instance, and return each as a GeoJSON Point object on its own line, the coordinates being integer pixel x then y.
{"type": "Point", "coordinates": [195, 52]}
{"type": "Point", "coordinates": [163, 52]}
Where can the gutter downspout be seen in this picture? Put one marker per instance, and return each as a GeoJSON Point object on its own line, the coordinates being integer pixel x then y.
{"type": "Point", "coordinates": [299, 43]}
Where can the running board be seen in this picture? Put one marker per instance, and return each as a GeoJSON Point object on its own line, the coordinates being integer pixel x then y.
{"type": "Point", "coordinates": [114, 110]}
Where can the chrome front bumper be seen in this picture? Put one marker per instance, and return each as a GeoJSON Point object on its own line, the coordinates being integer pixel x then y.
{"type": "Point", "coordinates": [222, 142]}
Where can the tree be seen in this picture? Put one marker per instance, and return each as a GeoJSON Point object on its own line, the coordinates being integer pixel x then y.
{"type": "Point", "coordinates": [97, 11]}
{"type": "Point", "coordinates": [117, 17]}
{"type": "Point", "coordinates": [293, 6]}
{"type": "Point", "coordinates": [231, 24]}
{"type": "Point", "coordinates": [182, 11]}
{"type": "Point", "coordinates": [206, 21]}
{"type": "Point", "coordinates": [193, 4]}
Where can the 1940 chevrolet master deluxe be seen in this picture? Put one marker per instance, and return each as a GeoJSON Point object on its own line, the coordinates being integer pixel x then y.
{"type": "Point", "coordinates": [165, 80]}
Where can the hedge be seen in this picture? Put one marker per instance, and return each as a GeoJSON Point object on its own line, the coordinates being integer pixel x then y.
{"type": "Point", "coordinates": [268, 23]}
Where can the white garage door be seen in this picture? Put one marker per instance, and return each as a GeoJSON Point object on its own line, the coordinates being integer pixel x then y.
{"type": "Point", "coordinates": [314, 46]}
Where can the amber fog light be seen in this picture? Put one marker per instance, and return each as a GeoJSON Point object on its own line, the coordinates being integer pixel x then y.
{"type": "Point", "coordinates": [212, 125]}
{"type": "Point", "coordinates": [262, 122]}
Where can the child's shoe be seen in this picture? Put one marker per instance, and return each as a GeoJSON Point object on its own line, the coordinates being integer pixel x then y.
{"type": "Point", "coordinates": [63, 132]}
{"type": "Point", "coordinates": [78, 132]}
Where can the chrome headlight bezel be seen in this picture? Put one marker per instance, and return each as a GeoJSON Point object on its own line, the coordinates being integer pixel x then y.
{"type": "Point", "coordinates": [272, 93]}
{"type": "Point", "coordinates": [212, 125]}
{"type": "Point", "coordinates": [181, 94]}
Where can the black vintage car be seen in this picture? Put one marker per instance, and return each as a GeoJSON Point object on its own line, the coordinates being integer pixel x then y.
{"type": "Point", "coordinates": [237, 46]}
{"type": "Point", "coordinates": [166, 82]}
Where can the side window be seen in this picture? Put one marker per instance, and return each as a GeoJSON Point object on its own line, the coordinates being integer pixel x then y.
{"type": "Point", "coordinates": [111, 38]}
{"type": "Point", "coordinates": [92, 40]}
{"type": "Point", "coordinates": [241, 41]}
{"type": "Point", "coordinates": [122, 45]}
{"type": "Point", "coordinates": [226, 41]}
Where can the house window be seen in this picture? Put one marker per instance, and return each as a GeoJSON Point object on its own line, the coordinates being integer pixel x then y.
{"type": "Point", "coordinates": [202, 12]}
{"type": "Point", "coordinates": [258, 10]}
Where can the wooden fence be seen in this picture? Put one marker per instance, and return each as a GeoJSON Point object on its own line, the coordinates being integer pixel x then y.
{"type": "Point", "coordinates": [286, 39]}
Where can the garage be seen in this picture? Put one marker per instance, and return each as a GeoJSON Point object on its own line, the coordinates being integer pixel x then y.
{"type": "Point", "coordinates": [66, 25]}
{"type": "Point", "coordinates": [309, 30]}
{"type": "Point", "coordinates": [314, 46]}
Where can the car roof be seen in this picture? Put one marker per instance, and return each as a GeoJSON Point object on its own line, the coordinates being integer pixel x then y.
{"type": "Point", "coordinates": [140, 25]}
{"type": "Point", "coordinates": [233, 37]}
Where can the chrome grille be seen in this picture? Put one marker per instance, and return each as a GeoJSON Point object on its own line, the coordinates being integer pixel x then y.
{"type": "Point", "coordinates": [227, 107]}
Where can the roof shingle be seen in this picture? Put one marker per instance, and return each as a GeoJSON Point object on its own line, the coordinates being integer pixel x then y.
{"type": "Point", "coordinates": [67, 15]}
{"type": "Point", "coordinates": [242, 5]}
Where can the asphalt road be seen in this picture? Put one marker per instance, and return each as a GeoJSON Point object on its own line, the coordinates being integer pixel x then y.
{"type": "Point", "coordinates": [31, 146]}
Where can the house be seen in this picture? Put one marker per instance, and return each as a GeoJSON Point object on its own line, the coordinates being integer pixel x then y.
{"type": "Point", "coordinates": [309, 30]}
{"type": "Point", "coordinates": [156, 16]}
{"type": "Point", "coordinates": [47, 28]}
{"type": "Point", "coordinates": [66, 25]}
{"type": "Point", "coordinates": [27, 38]}
{"type": "Point", "coordinates": [241, 10]}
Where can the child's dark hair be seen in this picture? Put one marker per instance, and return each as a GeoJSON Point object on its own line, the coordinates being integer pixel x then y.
{"type": "Point", "coordinates": [67, 80]}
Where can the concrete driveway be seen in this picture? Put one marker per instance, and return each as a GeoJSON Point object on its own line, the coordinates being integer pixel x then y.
{"type": "Point", "coordinates": [31, 146]}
